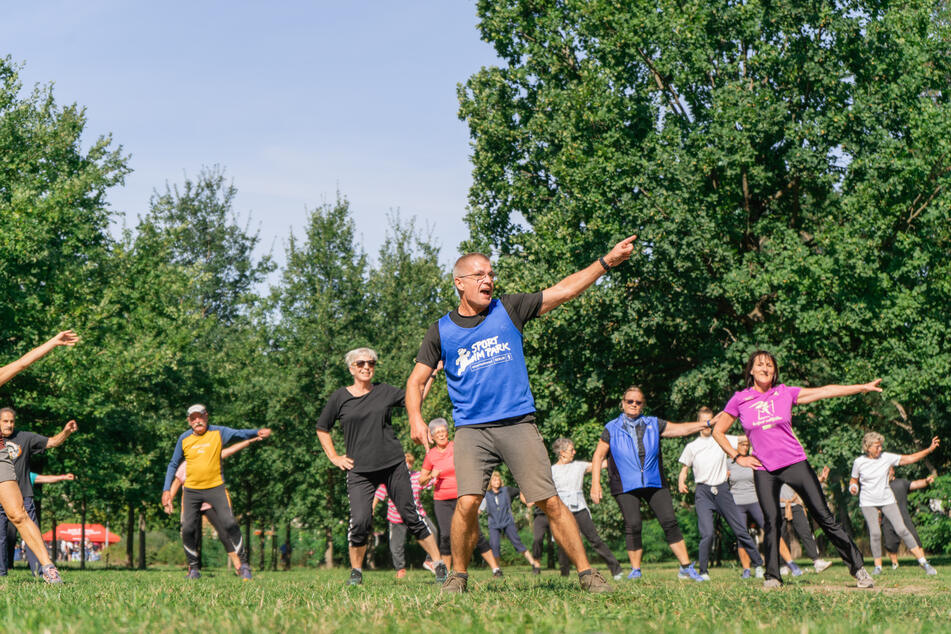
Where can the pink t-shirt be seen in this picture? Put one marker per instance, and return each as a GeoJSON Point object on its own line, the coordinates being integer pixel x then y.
{"type": "Point", "coordinates": [767, 421]}
{"type": "Point", "coordinates": [445, 487]}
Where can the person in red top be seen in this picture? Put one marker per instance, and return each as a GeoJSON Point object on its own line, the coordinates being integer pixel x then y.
{"type": "Point", "coordinates": [439, 467]}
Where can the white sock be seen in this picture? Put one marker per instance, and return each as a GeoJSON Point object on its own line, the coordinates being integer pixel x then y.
{"type": "Point", "coordinates": [496, 569]}
{"type": "Point", "coordinates": [922, 561]}
{"type": "Point", "coordinates": [360, 570]}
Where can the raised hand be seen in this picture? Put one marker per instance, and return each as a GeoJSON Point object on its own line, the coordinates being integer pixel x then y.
{"type": "Point", "coordinates": [621, 251]}
{"type": "Point", "coordinates": [69, 476]}
{"type": "Point", "coordinates": [935, 442]}
{"type": "Point", "coordinates": [872, 386]}
{"type": "Point", "coordinates": [70, 427]}
{"type": "Point", "coordinates": [263, 433]}
{"type": "Point", "coordinates": [65, 338]}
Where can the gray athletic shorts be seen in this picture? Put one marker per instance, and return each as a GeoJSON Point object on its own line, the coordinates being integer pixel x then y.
{"type": "Point", "coordinates": [519, 446]}
{"type": "Point", "coordinates": [7, 472]}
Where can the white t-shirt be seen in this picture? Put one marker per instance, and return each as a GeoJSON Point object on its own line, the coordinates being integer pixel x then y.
{"type": "Point", "coordinates": [710, 463]}
{"type": "Point", "coordinates": [872, 475]}
{"type": "Point", "coordinates": [569, 482]}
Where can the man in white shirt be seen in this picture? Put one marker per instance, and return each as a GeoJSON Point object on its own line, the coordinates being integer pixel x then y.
{"type": "Point", "coordinates": [711, 474]}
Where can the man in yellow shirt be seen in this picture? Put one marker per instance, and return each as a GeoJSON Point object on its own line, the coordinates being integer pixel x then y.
{"type": "Point", "coordinates": [200, 448]}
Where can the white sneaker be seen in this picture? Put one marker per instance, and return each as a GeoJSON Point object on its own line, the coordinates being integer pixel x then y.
{"type": "Point", "coordinates": [821, 564]}
{"type": "Point", "coordinates": [784, 571]}
{"type": "Point", "coordinates": [705, 577]}
{"type": "Point", "coordinates": [760, 571]}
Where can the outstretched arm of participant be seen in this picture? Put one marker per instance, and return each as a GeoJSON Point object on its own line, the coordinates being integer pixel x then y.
{"type": "Point", "coordinates": [922, 483]}
{"type": "Point", "coordinates": [65, 338]}
{"type": "Point", "coordinates": [68, 430]}
{"type": "Point", "coordinates": [721, 424]}
{"type": "Point", "coordinates": [682, 480]}
{"type": "Point", "coordinates": [677, 430]}
{"type": "Point", "coordinates": [918, 455]}
{"type": "Point", "coordinates": [231, 450]}
{"type": "Point", "coordinates": [576, 283]}
{"type": "Point", "coordinates": [50, 479]}
{"type": "Point", "coordinates": [416, 391]}
{"type": "Point", "coordinates": [172, 493]}
{"type": "Point", "coordinates": [344, 462]}
{"type": "Point", "coordinates": [600, 452]}
{"type": "Point", "coordinates": [810, 394]}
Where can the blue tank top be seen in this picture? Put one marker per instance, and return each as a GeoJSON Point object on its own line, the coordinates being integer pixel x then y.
{"type": "Point", "coordinates": [485, 369]}
{"type": "Point", "coordinates": [627, 465]}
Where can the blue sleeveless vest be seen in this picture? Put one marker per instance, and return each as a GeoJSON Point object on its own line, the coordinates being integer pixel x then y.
{"type": "Point", "coordinates": [485, 369]}
{"type": "Point", "coordinates": [627, 462]}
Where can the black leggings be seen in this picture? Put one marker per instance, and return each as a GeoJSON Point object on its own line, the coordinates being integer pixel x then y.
{"type": "Point", "coordinates": [658, 498]}
{"type": "Point", "coordinates": [228, 531]}
{"type": "Point", "coordinates": [361, 488]}
{"type": "Point", "coordinates": [803, 481]}
{"type": "Point", "coordinates": [443, 510]}
{"type": "Point", "coordinates": [590, 532]}
{"type": "Point", "coordinates": [540, 528]}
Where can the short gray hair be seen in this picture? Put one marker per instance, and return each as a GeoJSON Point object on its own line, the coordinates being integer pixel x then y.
{"type": "Point", "coordinates": [870, 439]}
{"type": "Point", "coordinates": [351, 356]}
{"type": "Point", "coordinates": [457, 267]}
{"type": "Point", "coordinates": [561, 444]}
{"type": "Point", "coordinates": [438, 423]}
{"type": "Point", "coordinates": [8, 409]}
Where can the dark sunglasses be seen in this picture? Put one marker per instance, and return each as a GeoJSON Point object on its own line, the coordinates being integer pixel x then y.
{"type": "Point", "coordinates": [631, 401]}
{"type": "Point", "coordinates": [365, 362]}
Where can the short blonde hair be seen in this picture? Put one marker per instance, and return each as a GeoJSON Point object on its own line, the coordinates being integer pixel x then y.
{"type": "Point", "coordinates": [351, 356]}
{"type": "Point", "coordinates": [870, 439]}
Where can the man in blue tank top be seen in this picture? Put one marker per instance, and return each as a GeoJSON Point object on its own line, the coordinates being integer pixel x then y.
{"type": "Point", "coordinates": [480, 346]}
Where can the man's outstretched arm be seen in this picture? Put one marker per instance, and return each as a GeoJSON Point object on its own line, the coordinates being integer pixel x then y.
{"type": "Point", "coordinates": [576, 283]}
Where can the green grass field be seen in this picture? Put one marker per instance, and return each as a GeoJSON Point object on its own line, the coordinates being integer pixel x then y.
{"type": "Point", "coordinates": [317, 601]}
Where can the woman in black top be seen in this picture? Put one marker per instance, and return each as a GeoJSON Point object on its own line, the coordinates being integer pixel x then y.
{"type": "Point", "coordinates": [373, 456]}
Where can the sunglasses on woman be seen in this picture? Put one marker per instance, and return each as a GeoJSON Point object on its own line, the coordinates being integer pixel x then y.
{"type": "Point", "coordinates": [365, 362]}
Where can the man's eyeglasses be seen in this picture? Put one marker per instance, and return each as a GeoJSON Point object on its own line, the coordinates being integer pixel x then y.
{"type": "Point", "coordinates": [631, 401]}
{"type": "Point", "coordinates": [365, 362]}
{"type": "Point", "coordinates": [492, 275]}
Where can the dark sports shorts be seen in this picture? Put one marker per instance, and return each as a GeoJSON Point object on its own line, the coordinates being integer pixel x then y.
{"type": "Point", "coordinates": [519, 446]}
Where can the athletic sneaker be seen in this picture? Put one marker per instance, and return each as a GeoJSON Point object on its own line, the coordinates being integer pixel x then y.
{"type": "Point", "coordinates": [820, 564]}
{"type": "Point", "coordinates": [618, 575]}
{"type": "Point", "coordinates": [877, 570]}
{"type": "Point", "coordinates": [592, 581]}
{"type": "Point", "coordinates": [784, 571]}
{"type": "Point", "coordinates": [772, 584]}
{"type": "Point", "coordinates": [193, 573]}
{"type": "Point", "coordinates": [51, 574]}
{"type": "Point", "coordinates": [441, 572]}
{"type": "Point", "coordinates": [356, 578]}
{"type": "Point", "coordinates": [746, 574]}
{"type": "Point", "coordinates": [634, 574]}
{"type": "Point", "coordinates": [794, 569]}
{"type": "Point", "coordinates": [688, 572]}
{"type": "Point", "coordinates": [497, 572]}
{"type": "Point", "coordinates": [245, 572]}
{"type": "Point", "coordinates": [929, 569]}
{"type": "Point", "coordinates": [864, 579]}
{"type": "Point", "coordinates": [401, 573]}
{"type": "Point", "coordinates": [895, 566]}
{"type": "Point", "coordinates": [455, 584]}
{"type": "Point", "coordinates": [705, 576]}
{"type": "Point", "coordinates": [430, 565]}
{"type": "Point", "coordinates": [760, 572]}
{"type": "Point", "coordinates": [536, 570]}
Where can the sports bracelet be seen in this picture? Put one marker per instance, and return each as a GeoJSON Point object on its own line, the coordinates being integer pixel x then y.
{"type": "Point", "coordinates": [604, 264]}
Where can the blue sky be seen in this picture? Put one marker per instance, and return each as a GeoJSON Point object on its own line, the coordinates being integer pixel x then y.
{"type": "Point", "coordinates": [295, 100]}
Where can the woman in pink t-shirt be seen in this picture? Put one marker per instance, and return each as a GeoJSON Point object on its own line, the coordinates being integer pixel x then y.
{"type": "Point", "coordinates": [439, 466]}
{"type": "Point", "coordinates": [765, 411]}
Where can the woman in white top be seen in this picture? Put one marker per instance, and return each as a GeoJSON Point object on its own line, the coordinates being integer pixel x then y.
{"type": "Point", "coordinates": [870, 473]}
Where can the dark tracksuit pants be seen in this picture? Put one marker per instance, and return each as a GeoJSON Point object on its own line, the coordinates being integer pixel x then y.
{"type": "Point", "coordinates": [444, 510]}
{"type": "Point", "coordinates": [803, 481]}
{"type": "Point", "coordinates": [800, 524]}
{"type": "Point", "coordinates": [228, 531]}
{"type": "Point", "coordinates": [718, 499]}
{"type": "Point", "coordinates": [590, 532]}
{"type": "Point", "coordinates": [540, 528]}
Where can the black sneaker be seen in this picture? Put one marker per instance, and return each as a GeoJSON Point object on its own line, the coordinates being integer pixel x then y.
{"type": "Point", "coordinates": [497, 572]}
{"type": "Point", "coordinates": [356, 578]}
{"type": "Point", "coordinates": [536, 570]}
{"type": "Point", "coordinates": [441, 572]}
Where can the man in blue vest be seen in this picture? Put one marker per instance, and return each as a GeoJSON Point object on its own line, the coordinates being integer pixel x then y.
{"type": "Point", "coordinates": [480, 345]}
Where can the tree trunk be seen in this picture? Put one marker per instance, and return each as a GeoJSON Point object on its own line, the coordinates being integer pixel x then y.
{"type": "Point", "coordinates": [273, 548]}
{"type": "Point", "coordinates": [247, 521]}
{"type": "Point", "coordinates": [261, 554]}
{"type": "Point", "coordinates": [329, 553]}
{"type": "Point", "coordinates": [82, 534]}
{"type": "Point", "coordinates": [141, 540]}
{"type": "Point", "coordinates": [287, 546]}
{"type": "Point", "coordinates": [130, 528]}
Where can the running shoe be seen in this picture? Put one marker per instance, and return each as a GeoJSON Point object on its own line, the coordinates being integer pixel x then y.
{"type": "Point", "coordinates": [877, 570]}
{"type": "Point", "coordinates": [772, 584]}
{"type": "Point", "coordinates": [864, 579]}
{"type": "Point", "coordinates": [356, 578]}
{"type": "Point", "coordinates": [592, 581]}
{"type": "Point", "coordinates": [784, 571]}
{"type": "Point", "coordinates": [536, 570]}
{"type": "Point", "coordinates": [634, 574]}
{"type": "Point", "coordinates": [794, 569]}
{"type": "Point", "coordinates": [497, 572]}
{"type": "Point", "coordinates": [820, 564]}
{"type": "Point", "coordinates": [51, 574]}
{"type": "Point", "coordinates": [430, 565]}
{"type": "Point", "coordinates": [455, 584]}
{"type": "Point", "coordinates": [895, 566]}
{"type": "Point", "coordinates": [929, 569]}
{"type": "Point", "coordinates": [760, 572]}
{"type": "Point", "coordinates": [401, 573]}
{"type": "Point", "coordinates": [746, 574]}
{"type": "Point", "coordinates": [688, 572]}
{"type": "Point", "coordinates": [193, 573]}
{"type": "Point", "coordinates": [245, 572]}
{"type": "Point", "coordinates": [705, 576]}
{"type": "Point", "coordinates": [618, 575]}
{"type": "Point", "coordinates": [441, 572]}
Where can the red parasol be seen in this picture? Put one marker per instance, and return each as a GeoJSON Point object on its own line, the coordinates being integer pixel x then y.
{"type": "Point", "coordinates": [95, 533]}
